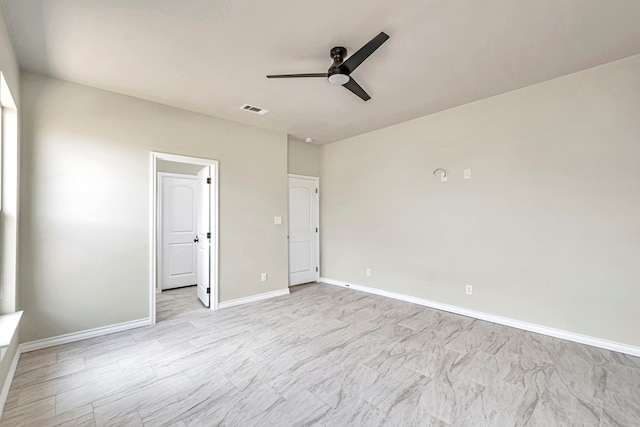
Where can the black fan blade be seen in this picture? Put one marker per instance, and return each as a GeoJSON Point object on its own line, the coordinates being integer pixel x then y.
{"type": "Point", "coordinates": [358, 58]}
{"type": "Point", "coordinates": [355, 88]}
{"type": "Point", "coordinates": [292, 76]}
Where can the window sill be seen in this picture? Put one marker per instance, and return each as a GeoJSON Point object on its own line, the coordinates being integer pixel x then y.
{"type": "Point", "coordinates": [8, 327]}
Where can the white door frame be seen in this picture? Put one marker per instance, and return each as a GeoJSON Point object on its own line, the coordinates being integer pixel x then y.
{"type": "Point", "coordinates": [160, 214]}
{"type": "Point", "coordinates": [153, 224]}
{"type": "Point", "coordinates": [316, 179]}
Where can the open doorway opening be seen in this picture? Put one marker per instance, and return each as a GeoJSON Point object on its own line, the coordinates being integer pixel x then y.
{"type": "Point", "coordinates": [184, 229]}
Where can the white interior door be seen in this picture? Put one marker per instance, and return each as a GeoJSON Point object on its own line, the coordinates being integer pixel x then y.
{"type": "Point", "coordinates": [178, 225]}
{"type": "Point", "coordinates": [304, 261]}
{"type": "Point", "coordinates": [203, 239]}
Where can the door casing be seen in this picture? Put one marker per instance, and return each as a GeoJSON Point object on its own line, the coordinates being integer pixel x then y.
{"type": "Point", "coordinates": [153, 224]}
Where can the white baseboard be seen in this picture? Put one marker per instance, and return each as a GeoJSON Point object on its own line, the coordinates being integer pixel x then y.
{"type": "Point", "coordinates": [82, 335]}
{"type": "Point", "coordinates": [63, 339]}
{"type": "Point", "coordinates": [532, 327]}
{"type": "Point", "coordinates": [253, 298]}
{"type": "Point", "coordinates": [7, 381]}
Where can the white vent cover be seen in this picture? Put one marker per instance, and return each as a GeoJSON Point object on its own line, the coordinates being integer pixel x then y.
{"type": "Point", "coordinates": [253, 109]}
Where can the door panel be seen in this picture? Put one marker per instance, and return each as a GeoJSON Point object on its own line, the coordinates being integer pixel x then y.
{"type": "Point", "coordinates": [178, 220]}
{"type": "Point", "coordinates": [300, 257]}
{"type": "Point", "coordinates": [300, 203]}
{"type": "Point", "coordinates": [181, 219]}
{"type": "Point", "coordinates": [202, 228]}
{"type": "Point", "coordinates": [181, 259]}
{"type": "Point", "coordinates": [303, 230]}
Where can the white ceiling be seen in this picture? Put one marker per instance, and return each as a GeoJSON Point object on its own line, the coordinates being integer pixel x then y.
{"type": "Point", "coordinates": [211, 56]}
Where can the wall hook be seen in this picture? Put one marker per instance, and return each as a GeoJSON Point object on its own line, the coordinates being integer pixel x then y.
{"type": "Point", "coordinates": [443, 178]}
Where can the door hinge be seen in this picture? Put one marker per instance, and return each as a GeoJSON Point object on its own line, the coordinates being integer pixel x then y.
{"type": "Point", "coordinates": [208, 180]}
{"type": "Point", "coordinates": [316, 269]}
{"type": "Point", "coordinates": [316, 191]}
{"type": "Point", "coordinates": [208, 290]}
{"type": "Point", "coordinates": [208, 235]}
{"type": "Point", "coordinates": [316, 229]}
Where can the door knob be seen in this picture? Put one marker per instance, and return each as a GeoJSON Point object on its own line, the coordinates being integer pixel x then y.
{"type": "Point", "coordinates": [196, 240]}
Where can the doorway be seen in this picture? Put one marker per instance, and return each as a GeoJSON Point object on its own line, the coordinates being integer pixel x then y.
{"type": "Point", "coordinates": [184, 227]}
{"type": "Point", "coordinates": [304, 240]}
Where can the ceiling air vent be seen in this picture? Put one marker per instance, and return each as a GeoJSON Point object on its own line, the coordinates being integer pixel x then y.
{"type": "Point", "coordinates": [255, 110]}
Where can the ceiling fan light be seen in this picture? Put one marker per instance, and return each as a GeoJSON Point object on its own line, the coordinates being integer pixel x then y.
{"type": "Point", "coordinates": [338, 79]}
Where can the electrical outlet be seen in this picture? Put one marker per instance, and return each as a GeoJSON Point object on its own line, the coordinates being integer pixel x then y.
{"type": "Point", "coordinates": [368, 272]}
{"type": "Point", "coordinates": [467, 174]}
{"type": "Point", "coordinates": [468, 289]}
{"type": "Point", "coordinates": [263, 277]}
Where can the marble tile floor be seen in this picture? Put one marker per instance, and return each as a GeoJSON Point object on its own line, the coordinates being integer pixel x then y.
{"type": "Point", "coordinates": [322, 356]}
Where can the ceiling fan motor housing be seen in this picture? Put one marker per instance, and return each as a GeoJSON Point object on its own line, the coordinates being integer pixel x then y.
{"type": "Point", "coordinates": [336, 75]}
{"type": "Point", "coordinates": [337, 54]}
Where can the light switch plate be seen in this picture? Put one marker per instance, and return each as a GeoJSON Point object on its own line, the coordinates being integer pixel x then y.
{"type": "Point", "coordinates": [277, 220]}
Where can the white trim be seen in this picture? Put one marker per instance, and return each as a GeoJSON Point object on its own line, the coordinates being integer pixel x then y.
{"type": "Point", "coordinates": [183, 159]}
{"type": "Point", "coordinates": [62, 339]}
{"type": "Point", "coordinates": [215, 220]}
{"type": "Point", "coordinates": [82, 335]}
{"type": "Point", "coordinates": [8, 380]}
{"type": "Point", "coordinates": [253, 298]}
{"type": "Point", "coordinates": [153, 224]}
{"type": "Point", "coordinates": [293, 175]}
{"type": "Point", "coordinates": [8, 327]}
{"type": "Point", "coordinates": [10, 196]}
{"type": "Point", "coordinates": [532, 327]}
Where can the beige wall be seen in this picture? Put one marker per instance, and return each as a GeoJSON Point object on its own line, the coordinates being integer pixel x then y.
{"type": "Point", "coordinates": [176, 167]}
{"type": "Point", "coordinates": [8, 62]}
{"type": "Point", "coordinates": [303, 158]}
{"type": "Point", "coordinates": [85, 205]}
{"type": "Point", "coordinates": [547, 229]}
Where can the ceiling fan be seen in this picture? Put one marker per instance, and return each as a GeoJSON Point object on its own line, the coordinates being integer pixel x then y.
{"type": "Point", "coordinates": [340, 71]}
